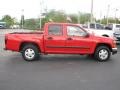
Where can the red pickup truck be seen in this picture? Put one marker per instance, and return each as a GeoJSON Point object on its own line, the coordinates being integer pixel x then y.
{"type": "Point", "coordinates": [60, 38]}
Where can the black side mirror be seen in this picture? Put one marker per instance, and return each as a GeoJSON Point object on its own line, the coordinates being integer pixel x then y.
{"type": "Point", "coordinates": [86, 34]}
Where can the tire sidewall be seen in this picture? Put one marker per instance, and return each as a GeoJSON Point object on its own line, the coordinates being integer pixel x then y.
{"type": "Point", "coordinates": [34, 48]}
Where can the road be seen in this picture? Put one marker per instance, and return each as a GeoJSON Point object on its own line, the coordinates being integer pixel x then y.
{"type": "Point", "coordinates": [57, 72]}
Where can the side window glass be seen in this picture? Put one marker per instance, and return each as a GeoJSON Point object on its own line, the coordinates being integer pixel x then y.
{"type": "Point", "coordinates": [55, 30]}
{"type": "Point", "coordinates": [75, 31]}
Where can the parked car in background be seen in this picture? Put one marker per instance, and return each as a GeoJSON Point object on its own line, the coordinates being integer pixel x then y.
{"type": "Point", "coordinates": [115, 28]}
{"type": "Point", "coordinates": [98, 29]}
{"type": "Point", "coordinates": [60, 38]}
{"type": "Point", "coordinates": [2, 25]}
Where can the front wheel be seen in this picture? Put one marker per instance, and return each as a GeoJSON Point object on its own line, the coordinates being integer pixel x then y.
{"type": "Point", "coordinates": [102, 53]}
{"type": "Point", "coordinates": [30, 52]}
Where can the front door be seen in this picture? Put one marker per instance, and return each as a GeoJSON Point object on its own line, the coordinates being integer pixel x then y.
{"type": "Point", "coordinates": [76, 41]}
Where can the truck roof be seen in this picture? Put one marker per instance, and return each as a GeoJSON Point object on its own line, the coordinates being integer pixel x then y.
{"type": "Point", "coordinates": [62, 23]}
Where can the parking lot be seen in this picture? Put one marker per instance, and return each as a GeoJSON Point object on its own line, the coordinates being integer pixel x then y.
{"type": "Point", "coordinates": [57, 72]}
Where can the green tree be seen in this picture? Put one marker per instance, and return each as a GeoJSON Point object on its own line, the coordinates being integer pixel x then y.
{"type": "Point", "coordinates": [74, 18]}
{"type": "Point", "coordinates": [56, 16]}
{"type": "Point", "coordinates": [61, 16]}
{"type": "Point", "coordinates": [84, 17]}
{"type": "Point", "coordinates": [9, 20]}
{"type": "Point", "coordinates": [110, 20]}
{"type": "Point", "coordinates": [31, 24]}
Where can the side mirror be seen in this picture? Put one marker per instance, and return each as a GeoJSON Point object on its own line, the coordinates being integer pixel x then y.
{"type": "Point", "coordinates": [86, 34]}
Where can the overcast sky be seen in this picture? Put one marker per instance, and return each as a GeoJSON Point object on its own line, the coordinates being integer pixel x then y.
{"type": "Point", "coordinates": [32, 7]}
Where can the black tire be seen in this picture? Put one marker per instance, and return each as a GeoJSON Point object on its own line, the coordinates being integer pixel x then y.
{"type": "Point", "coordinates": [34, 52]}
{"type": "Point", "coordinates": [102, 58]}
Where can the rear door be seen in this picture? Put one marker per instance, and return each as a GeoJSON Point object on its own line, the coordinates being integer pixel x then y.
{"type": "Point", "coordinates": [55, 40]}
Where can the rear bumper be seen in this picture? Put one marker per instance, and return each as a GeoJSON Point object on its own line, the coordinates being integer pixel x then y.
{"type": "Point", "coordinates": [4, 49]}
{"type": "Point", "coordinates": [114, 51]}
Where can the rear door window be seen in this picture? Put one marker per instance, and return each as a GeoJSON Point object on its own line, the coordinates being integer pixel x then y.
{"type": "Point", "coordinates": [75, 31]}
{"type": "Point", "coordinates": [55, 30]}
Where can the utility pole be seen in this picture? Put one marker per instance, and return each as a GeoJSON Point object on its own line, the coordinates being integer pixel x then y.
{"type": "Point", "coordinates": [40, 14]}
{"type": "Point", "coordinates": [100, 17]}
{"type": "Point", "coordinates": [43, 12]}
{"type": "Point", "coordinates": [78, 17]}
{"type": "Point", "coordinates": [22, 18]}
{"type": "Point", "coordinates": [108, 13]}
{"type": "Point", "coordinates": [91, 17]}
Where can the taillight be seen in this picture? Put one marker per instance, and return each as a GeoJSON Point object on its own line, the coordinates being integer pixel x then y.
{"type": "Point", "coordinates": [114, 44]}
{"type": "Point", "coordinates": [6, 39]}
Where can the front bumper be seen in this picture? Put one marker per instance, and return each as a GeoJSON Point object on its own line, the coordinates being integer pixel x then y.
{"type": "Point", "coordinates": [114, 51]}
{"type": "Point", "coordinates": [117, 36]}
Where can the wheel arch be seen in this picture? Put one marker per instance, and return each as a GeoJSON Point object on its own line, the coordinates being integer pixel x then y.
{"type": "Point", "coordinates": [26, 43]}
{"type": "Point", "coordinates": [105, 35]}
{"type": "Point", "coordinates": [103, 44]}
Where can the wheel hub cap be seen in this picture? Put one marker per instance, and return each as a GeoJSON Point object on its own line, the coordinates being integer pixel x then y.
{"type": "Point", "coordinates": [103, 54]}
{"type": "Point", "coordinates": [29, 53]}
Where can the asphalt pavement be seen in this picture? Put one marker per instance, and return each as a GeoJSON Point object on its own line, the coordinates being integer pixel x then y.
{"type": "Point", "coordinates": [57, 72]}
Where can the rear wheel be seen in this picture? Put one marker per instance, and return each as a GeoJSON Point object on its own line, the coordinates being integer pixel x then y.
{"type": "Point", "coordinates": [30, 52]}
{"type": "Point", "coordinates": [102, 53]}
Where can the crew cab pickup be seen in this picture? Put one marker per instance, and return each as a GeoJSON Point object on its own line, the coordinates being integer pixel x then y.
{"type": "Point", "coordinates": [60, 38]}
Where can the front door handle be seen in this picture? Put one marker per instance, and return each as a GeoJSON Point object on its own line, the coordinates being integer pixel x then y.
{"type": "Point", "coordinates": [49, 38]}
{"type": "Point", "coordinates": [69, 38]}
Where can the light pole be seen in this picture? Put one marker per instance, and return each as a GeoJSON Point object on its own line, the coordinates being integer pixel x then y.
{"type": "Point", "coordinates": [108, 13]}
{"type": "Point", "coordinates": [91, 17]}
{"type": "Point", "coordinates": [100, 17]}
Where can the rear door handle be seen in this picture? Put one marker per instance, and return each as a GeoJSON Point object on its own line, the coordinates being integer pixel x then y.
{"type": "Point", "coordinates": [69, 39]}
{"type": "Point", "coordinates": [49, 38]}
